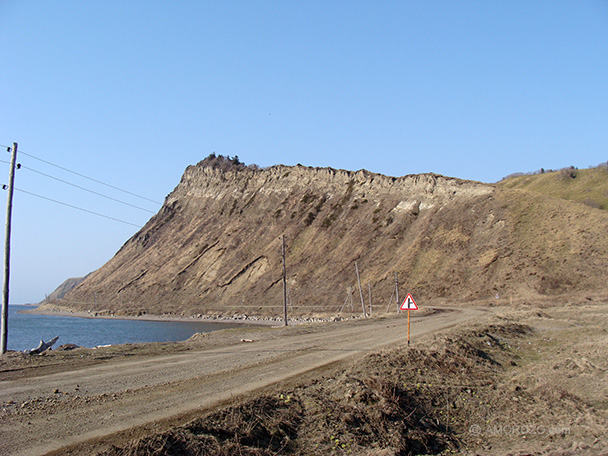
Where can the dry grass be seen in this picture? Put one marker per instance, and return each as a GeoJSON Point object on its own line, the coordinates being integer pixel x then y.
{"type": "Point", "coordinates": [587, 186]}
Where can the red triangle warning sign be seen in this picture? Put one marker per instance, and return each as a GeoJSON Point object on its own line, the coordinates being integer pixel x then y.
{"type": "Point", "coordinates": [408, 303]}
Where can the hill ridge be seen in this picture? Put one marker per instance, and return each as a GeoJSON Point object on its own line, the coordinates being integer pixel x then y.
{"type": "Point", "coordinates": [214, 245]}
{"type": "Point", "coordinates": [587, 186]}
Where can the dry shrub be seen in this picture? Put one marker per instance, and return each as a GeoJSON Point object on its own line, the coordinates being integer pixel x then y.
{"type": "Point", "coordinates": [398, 402]}
{"type": "Point", "coordinates": [568, 173]}
{"type": "Point", "coordinates": [173, 443]}
{"type": "Point", "coordinates": [557, 395]}
{"type": "Point", "coordinates": [267, 423]}
{"type": "Point", "coordinates": [262, 427]}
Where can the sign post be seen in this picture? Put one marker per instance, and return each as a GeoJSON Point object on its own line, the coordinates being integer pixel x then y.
{"type": "Point", "coordinates": [408, 304]}
{"type": "Point", "coordinates": [408, 327]}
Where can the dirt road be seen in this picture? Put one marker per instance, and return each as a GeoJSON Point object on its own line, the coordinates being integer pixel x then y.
{"type": "Point", "coordinates": [47, 412]}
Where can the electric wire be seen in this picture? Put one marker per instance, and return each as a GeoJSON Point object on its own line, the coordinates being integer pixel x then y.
{"type": "Point", "coordinates": [87, 190]}
{"type": "Point", "coordinates": [82, 175]}
{"type": "Point", "coordinates": [76, 207]}
{"type": "Point", "coordinates": [20, 166]}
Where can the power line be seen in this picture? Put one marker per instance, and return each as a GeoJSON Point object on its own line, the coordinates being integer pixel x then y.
{"type": "Point", "coordinates": [76, 207]}
{"type": "Point", "coordinates": [83, 176]}
{"type": "Point", "coordinates": [87, 190]}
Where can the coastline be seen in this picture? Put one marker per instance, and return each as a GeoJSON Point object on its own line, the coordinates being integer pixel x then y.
{"type": "Point", "coordinates": [238, 319]}
{"type": "Point", "coordinates": [244, 320]}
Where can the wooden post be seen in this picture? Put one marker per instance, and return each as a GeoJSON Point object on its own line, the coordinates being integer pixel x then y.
{"type": "Point", "coordinates": [284, 281]}
{"type": "Point", "coordinates": [360, 291]}
{"type": "Point", "coordinates": [397, 291]}
{"type": "Point", "coordinates": [7, 251]}
{"type": "Point", "coordinates": [390, 301]}
{"type": "Point", "coordinates": [369, 289]}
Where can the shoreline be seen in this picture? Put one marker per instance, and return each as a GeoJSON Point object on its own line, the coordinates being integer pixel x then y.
{"type": "Point", "coordinates": [238, 319]}
{"type": "Point", "coordinates": [217, 319]}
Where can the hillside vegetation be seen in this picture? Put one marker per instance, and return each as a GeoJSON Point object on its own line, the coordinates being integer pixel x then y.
{"type": "Point", "coordinates": [215, 247]}
{"type": "Point", "coordinates": [588, 186]}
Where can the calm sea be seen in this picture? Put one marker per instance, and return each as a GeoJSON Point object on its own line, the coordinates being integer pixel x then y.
{"type": "Point", "coordinates": [26, 330]}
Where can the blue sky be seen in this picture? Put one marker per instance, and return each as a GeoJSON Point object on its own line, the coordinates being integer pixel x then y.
{"type": "Point", "coordinates": [133, 92]}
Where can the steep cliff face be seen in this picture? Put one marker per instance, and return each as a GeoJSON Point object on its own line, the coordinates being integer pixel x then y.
{"type": "Point", "coordinates": [215, 244]}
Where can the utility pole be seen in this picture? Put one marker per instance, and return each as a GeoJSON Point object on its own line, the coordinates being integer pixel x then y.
{"type": "Point", "coordinates": [397, 291]}
{"type": "Point", "coordinates": [360, 291]}
{"type": "Point", "coordinates": [284, 281]}
{"type": "Point", "coordinates": [7, 251]}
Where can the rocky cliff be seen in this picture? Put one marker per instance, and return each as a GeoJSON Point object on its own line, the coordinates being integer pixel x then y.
{"type": "Point", "coordinates": [215, 245]}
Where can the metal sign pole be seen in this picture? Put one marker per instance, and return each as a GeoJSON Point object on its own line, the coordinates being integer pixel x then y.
{"type": "Point", "coordinates": [408, 304]}
{"type": "Point", "coordinates": [408, 327]}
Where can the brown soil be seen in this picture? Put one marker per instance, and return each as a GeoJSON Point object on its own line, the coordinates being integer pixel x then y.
{"type": "Point", "coordinates": [66, 398]}
{"type": "Point", "coordinates": [520, 379]}
{"type": "Point", "coordinates": [527, 382]}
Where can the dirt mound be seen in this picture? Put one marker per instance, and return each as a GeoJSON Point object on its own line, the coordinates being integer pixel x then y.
{"type": "Point", "coordinates": [492, 389]}
{"type": "Point", "coordinates": [393, 402]}
{"type": "Point", "coordinates": [264, 426]}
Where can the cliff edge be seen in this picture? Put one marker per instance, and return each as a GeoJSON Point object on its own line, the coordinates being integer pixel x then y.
{"type": "Point", "coordinates": [215, 247]}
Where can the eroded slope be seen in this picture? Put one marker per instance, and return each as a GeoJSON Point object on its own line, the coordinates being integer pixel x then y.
{"type": "Point", "coordinates": [215, 245]}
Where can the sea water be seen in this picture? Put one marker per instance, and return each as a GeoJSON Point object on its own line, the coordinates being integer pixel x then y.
{"type": "Point", "coordinates": [26, 330]}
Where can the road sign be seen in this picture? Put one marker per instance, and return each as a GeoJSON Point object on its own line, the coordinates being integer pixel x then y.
{"type": "Point", "coordinates": [408, 303]}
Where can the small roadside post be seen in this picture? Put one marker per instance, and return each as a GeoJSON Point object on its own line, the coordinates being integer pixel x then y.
{"type": "Point", "coordinates": [408, 304]}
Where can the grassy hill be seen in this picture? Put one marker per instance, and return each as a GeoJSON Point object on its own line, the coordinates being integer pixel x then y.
{"type": "Point", "coordinates": [588, 186]}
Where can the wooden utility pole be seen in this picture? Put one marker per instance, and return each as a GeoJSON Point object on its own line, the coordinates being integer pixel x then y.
{"type": "Point", "coordinates": [284, 281]}
{"type": "Point", "coordinates": [397, 291]}
{"type": "Point", "coordinates": [7, 251]}
{"type": "Point", "coordinates": [360, 291]}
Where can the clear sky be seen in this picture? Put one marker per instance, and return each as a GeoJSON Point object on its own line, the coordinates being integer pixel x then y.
{"type": "Point", "coordinates": [132, 92]}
